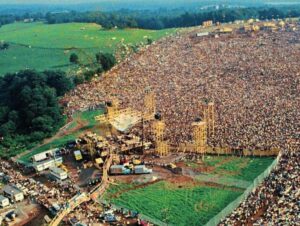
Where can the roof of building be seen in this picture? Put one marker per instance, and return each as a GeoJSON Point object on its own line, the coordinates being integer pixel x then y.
{"type": "Point", "coordinates": [2, 198]}
{"type": "Point", "coordinates": [57, 170]}
{"type": "Point", "coordinates": [11, 190]}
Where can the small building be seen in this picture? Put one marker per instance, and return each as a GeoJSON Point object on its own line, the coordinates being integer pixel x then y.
{"type": "Point", "coordinates": [202, 34]}
{"type": "Point", "coordinates": [13, 193]}
{"type": "Point", "coordinates": [225, 30]}
{"type": "Point", "coordinates": [78, 155]}
{"type": "Point", "coordinates": [45, 155]}
{"type": "Point", "coordinates": [58, 173]}
{"type": "Point", "coordinates": [47, 164]}
{"type": "Point", "coordinates": [4, 201]}
{"type": "Point", "coordinates": [269, 26]}
{"type": "Point", "coordinates": [207, 23]}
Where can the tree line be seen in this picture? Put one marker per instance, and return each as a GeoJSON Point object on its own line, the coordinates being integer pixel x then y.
{"type": "Point", "coordinates": [29, 103]}
{"type": "Point", "coordinates": [29, 109]}
{"type": "Point", "coordinates": [157, 19]}
{"type": "Point", "coordinates": [167, 19]}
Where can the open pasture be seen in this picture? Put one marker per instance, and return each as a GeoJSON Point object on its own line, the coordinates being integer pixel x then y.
{"type": "Point", "coordinates": [42, 46]}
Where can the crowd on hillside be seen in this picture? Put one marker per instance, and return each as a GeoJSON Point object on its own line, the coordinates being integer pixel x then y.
{"type": "Point", "coordinates": [253, 81]}
{"type": "Point", "coordinates": [276, 201]}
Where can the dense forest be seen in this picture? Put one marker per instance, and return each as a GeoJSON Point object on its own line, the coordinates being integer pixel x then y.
{"type": "Point", "coordinates": [29, 109]}
{"type": "Point", "coordinates": [168, 19]}
{"type": "Point", "coordinates": [158, 19]}
{"type": "Point", "coordinates": [29, 103]}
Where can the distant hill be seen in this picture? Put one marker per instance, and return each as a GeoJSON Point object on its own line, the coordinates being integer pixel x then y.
{"type": "Point", "coordinates": [112, 5]}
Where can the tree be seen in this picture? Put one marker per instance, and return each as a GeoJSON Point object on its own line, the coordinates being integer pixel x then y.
{"type": "Point", "coordinates": [149, 41]}
{"type": "Point", "coordinates": [29, 108]}
{"type": "Point", "coordinates": [106, 60]}
{"type": "Point", "coordinates": [74, 58]}
{"type": "Point", "coordinates": [59, 81]}
{"type": "Point", "coordinates": [4, 46]}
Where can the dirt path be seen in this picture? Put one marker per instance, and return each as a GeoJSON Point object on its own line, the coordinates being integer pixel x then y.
{"type": "Point", "coordinates": [116, 195]}
{"type": "Point", "coordinates": [64, 131]}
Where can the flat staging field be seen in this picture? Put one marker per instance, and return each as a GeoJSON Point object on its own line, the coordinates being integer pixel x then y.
{"type": "Point", "coordinates": [41, 46]}
{"type": "Point", "coordinates": [188, 199]}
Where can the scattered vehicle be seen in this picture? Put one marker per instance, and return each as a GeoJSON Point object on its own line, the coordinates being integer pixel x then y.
{"type": "Point", "coordinates": [129, 169]}
{"type": "Point", "coordinates": [174, 169]}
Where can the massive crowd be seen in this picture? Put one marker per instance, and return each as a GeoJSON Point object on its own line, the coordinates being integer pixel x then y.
{"type": "Point", "coordinates": [276, 201]}
{"type": "Point", "coordinates": [254, 81]}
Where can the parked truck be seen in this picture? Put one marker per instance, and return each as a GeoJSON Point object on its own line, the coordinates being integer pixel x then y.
{"type": "Point", "coordinates": [142, 169]}
{"type": "Point", "coordinates": [119, 169]}
{"type": "Point", "coordinates": [124, 170]}
{"type": "Point", "coordinates": [174, 169]}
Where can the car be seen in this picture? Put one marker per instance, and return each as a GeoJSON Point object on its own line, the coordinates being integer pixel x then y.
{"type": "Point", "coordinates": [110, 218]}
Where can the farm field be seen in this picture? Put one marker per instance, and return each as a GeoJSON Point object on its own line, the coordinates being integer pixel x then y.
{"type": "Point", "coordinates": [81, 123]}
{"type": "Point", "coordinates": [41, 46]}
{"type": "Point", "coordinates": [189, 199]}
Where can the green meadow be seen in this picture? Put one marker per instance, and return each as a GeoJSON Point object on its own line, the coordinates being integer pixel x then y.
{"type": "Point", "coordinates": [42, 46]}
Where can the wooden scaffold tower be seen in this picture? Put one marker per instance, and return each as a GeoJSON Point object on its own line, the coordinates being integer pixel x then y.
{"type": "Point", "coordinates": [112, 111]}
{"type": "Point", "coordinates": [200, 136]}
{"type": "Point", "coordinates": [112, 108]}
{"type": "Point", "coordinates": [209, 118]}
{"type": "Point", "coordinates": [162, 147]}
{"type": "Point", "coordinates": [149, 104]}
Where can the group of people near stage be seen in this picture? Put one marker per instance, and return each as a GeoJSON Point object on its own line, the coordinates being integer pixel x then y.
{"type": "Point", "coordinates": [254, 82]}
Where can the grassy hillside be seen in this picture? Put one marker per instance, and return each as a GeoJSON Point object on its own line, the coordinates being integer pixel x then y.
{"type": "Point", "coordinates": [42, 46]}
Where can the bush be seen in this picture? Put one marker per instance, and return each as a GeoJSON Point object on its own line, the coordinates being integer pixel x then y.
{"type": "Point", "coordinates": [106, 60]}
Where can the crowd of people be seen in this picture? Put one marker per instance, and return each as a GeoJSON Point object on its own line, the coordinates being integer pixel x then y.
{"type": "Point", "coordinates": [254, 81]}
{"type": "Point", "coordinates": [276, 201]}
{"type": "Point", "coordinates": [59, 194]}
{"type": "Point", "coordinates": [46, 195]}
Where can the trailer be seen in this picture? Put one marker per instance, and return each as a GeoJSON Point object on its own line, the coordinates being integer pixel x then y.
{"type": "Point", "coordinates": [58, 173]}
{"type": "Point", "coordinates": [78, 155]}
{"type": "Point", "coordinates": [119, 169]}
{"type": "Point", "coordinates": [142, 169]}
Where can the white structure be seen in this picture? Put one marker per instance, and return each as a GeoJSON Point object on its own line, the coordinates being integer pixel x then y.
{"type": "Point", "coordinates": [202, 34]}
{"type": "Point", "coordinates": [4, 201]}
{"type": "Point", "coordinates": [13, 193]}
{"type": "Point", "coordinates": [59, 173]}
{"type": "Point", "coordinates": [46, 164]}
{"type": "Point", "coordinates": [44, 155]}
{"type": "Point", "coordinates": [78, 155]}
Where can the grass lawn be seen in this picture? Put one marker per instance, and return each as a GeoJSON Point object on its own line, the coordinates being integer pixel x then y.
{"type": "Point", "coordinates": [41, 46]}
{"type": "Point", "coordinates": [88, 118]}
{"type": "Point", "coordinates": [245, 168]}
{"type": "Point", "coordinates": [177, 206]}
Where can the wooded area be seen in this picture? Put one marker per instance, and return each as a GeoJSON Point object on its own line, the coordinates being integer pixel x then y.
{"type": "Point", "coordinates": [158, 19]}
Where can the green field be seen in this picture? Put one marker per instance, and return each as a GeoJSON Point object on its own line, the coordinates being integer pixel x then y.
{"type": "Point", "coordinates": [82, 122]}
{"type": "Point", "coordinates": [245, 168]}
{"type": "Point", "coordinates": [191, 203]}
{"type": "Point", "coordinates": [175, 205]}
{"type": "Point", "coordinates": [41, 46]}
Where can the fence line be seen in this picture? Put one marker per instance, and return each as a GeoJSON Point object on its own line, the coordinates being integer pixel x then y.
{"type": "Point", "coordinates": [141, 216]}
{"type": "Point", "coordinates": [233, 205]}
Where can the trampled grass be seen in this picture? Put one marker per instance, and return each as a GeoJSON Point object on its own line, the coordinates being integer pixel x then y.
{"type": "Point", "coordinates": [41, 46]}
{"type": "Point", "coordinates": [243, 168]}
{"type": "Point", "coordinates": [177, 206]}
